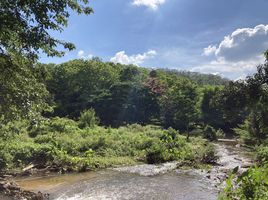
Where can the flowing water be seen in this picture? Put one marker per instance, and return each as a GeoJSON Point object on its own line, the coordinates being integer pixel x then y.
{"type": "Point", "coordinates": [140, 182]}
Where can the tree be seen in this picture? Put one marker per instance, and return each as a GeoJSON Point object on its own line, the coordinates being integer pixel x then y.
{"type": "Point", "coordinates": [211, 111]}
{"type": "Point", "coordinates": [22, 95]}
{"type": "Point", "coordinates": [257, 104]}
{"type": "Point", "coordinates": [25, 25]}
{"type": "Point", "coordinates": [24, 32]}
{"type": "Point", "coordinates": [180, 105]}
{"type": "Point", "coordinates": [232, 102]}
{"type": "Point", "coordinates": [81, 84]}
{"type": "Point", "coordinates": [255, 127]}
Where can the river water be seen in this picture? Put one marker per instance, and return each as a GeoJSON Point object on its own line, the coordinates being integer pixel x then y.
{"type": "Point", "coordinates": [157, 182]}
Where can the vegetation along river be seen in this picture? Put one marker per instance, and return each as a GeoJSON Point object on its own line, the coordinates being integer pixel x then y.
{"type": "Point", "coordinates": [144, 181]}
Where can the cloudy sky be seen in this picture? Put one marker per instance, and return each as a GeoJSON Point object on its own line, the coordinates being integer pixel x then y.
{"type": "Point", "coordinates": [225, 37]}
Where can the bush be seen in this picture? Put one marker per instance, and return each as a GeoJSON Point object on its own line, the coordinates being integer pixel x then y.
{"type": "Point", "coordinates": [5, 159]}
{"type": "Point", "coordinates": [156, 154]}
{"type": "Point", "coordinates": [12, 129]}
{"type": "Point", "coordinates": [197, 131]}
{"type": "Point", "coordinates": [244, 132]}
{"type": "Point", "coordinates": [220, 134]}
{"type": "Point", "coordinates": [250, 185]}
{"type": "Point", "coordinates": [53, 125]}
{"type": "Point", "coordinates": [60, 142]}
{"type": "Point", "coordinates": [44, 154]}
{"type": "Point", "coordinates": [172, 133]}
{"type": "Point", "coordinates": [210, 133]}
{"type": "Point", "coordinates": [262, 154]}
{"type": "Point", "coordinates": [88, 118]}
{"type": "Point", "coordinates": [209, 154]}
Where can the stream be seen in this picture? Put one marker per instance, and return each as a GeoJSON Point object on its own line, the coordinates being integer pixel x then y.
{"type": "Point", "coordinates": [143, 181]}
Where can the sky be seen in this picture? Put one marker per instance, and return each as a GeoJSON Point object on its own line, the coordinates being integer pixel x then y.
{"type": "Point", "coordinates": [224, 37]}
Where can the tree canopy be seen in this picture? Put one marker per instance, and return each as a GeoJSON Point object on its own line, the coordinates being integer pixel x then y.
{"type": "Point", "coordinates": [25, 31]}
{"type": "Point", "coordinates": [26, 25]}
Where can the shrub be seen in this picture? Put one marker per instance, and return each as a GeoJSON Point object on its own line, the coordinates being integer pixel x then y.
{"type": "Point", "coordinates": [88, 118]}
{"type": "Point", "coordinates": [210, 133]}
{"type": "Point", "coordinates": [55, 125]}
{"type": "Point", "coordinates": [209, 155]}
{"type": "Point", "coordinates": [59, 142]}
{"type": "Point", "coordinates": [44, 154]}
{"type": "Point", "coordinates": [220, 134]}
{"type": "Point", "coordinates": [244, 132]}
{"type": "Point", "coordinates": [197, 131]}
{"type": "Point", "coordinates": [251, 185]}
{"type": "Point", "coordinates": [5, 159]}
{"type": "Point", "coordinates": [12, 129]}
{"type": "Point", "coordinates": [262, 154]}
{"type": "Point", "coordinates": [62, 125]}
{"type": "Point", "coordinates": [171, 133]}
{"type": "Point", "coordinates": [155, 154]}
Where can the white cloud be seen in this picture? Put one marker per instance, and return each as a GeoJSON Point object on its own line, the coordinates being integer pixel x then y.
{"type": "Point", "coordinates": [152, 4]}
{"type": "Point", "coordinates": [81, 54]}
{"type": "Point", "coordinates": [232, 70]}
{"type": "Point", "coordinates": [210, 50]}
{"type": "Point", "coordinates": [238, 54]}
{"type": "Point", "coordinates": [123, 58]}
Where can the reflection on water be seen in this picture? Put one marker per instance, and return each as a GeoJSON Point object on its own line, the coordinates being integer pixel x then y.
{"type": "Point", "coordinates": [52, 182]}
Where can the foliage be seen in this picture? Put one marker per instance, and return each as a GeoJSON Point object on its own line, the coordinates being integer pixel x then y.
{"type": "Point", "coordinates": [25, 25]}
{"type": "Point", "coordinates": [200, 79]}
{"type": "Point", "coordinates": [60, 142]}
{"type": "Point", "coordinates": [255, 127]}
{"type": "Point", "coordinates": [156, 154]}
{"type": "Point", "coordinates": [24, 32]}
{"type": "Point", "coordinates": [211, 110]}
{"type": "Point", "coordinates": [209, 155]}
{"type": "Point", "coordinates": [250, 185]}
{"type": "Point", "coordinates": [210, 133]}
{"type": "Point", "coordinates": [220, 134]}
{"type": "Point", "coordinates": [22, 94]}
{"type": "Point", "coordinates": [123, 95]}
{"type": "Point", "coordinates": [180, 105]}
{"type": "Point", "coordinates": [88, 118]}
{"type": "Point", "coordinates": [262, 154]}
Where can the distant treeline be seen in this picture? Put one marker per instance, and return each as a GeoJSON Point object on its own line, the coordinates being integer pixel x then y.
{"type": "Point", "coordinates": [129, 94]}
{"type": "Point", "coordinates": [200, 78]}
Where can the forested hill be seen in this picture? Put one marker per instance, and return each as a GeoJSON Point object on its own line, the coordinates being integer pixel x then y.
{"type": "Point", "coordinates": [125, 94]}
{"type": "Point", "coordinates": [200, 78]}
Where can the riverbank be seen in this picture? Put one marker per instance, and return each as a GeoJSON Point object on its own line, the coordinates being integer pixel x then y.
{"type": "Point", "coordinates": [60, 144]}
{"type": "Point", "coordinates": [125, 179]}
{"type": "Point", "coordinates": [9, 190]}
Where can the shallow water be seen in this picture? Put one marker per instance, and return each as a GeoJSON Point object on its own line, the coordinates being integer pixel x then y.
{"type": "Point", "coordinates": [140, 182]}
{"type": "Point", "coordinates": [111, 184]}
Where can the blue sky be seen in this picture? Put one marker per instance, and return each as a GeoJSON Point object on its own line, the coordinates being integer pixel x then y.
{"type": "Point", "coordinates": [225, 37]}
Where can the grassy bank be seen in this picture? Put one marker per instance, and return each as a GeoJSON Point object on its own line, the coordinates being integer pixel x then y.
{"type": "Point", "coordinates": [59, 142]}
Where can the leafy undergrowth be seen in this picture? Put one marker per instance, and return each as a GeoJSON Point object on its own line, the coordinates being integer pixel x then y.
{"type": "Point", "coordinates": [250, 185]}
{"type": "Point", "coordinates": [253, 183]}
{"type": "Point", "coordinates": [63, 143]}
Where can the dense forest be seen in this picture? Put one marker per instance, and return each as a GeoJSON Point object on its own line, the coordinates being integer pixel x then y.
{"type": "Point", "coordinates": [119, 95]}
{"type": "Point", "coordinates": [87, 114]}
